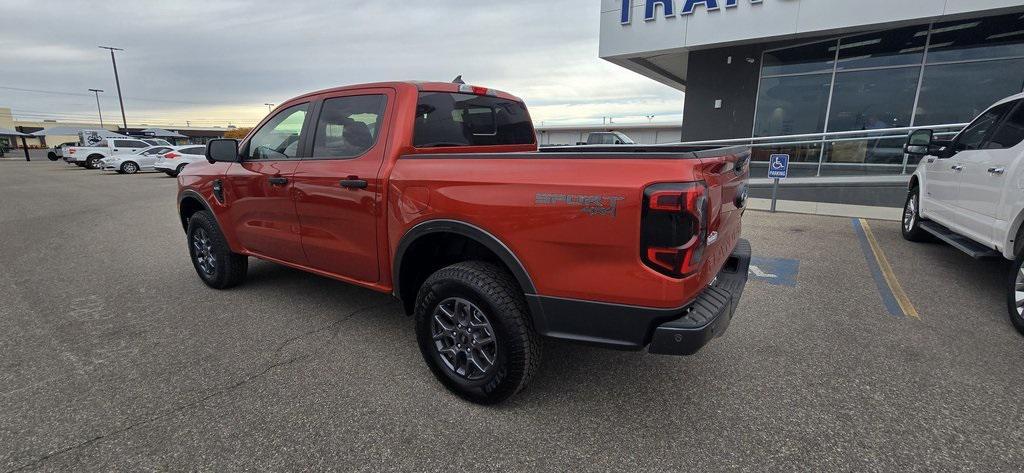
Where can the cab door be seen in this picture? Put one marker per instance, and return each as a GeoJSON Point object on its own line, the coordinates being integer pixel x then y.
{"type": "Point", "coordinates": [258, 188]}
{"type": "Point", "coordinates": [944, 188]}
{"type": "Point", "coordinates": [985, 176]}
{"type": "Point", "coordinates": [976, 198]}
{"type": "Point", "coordinates": [338, 188]}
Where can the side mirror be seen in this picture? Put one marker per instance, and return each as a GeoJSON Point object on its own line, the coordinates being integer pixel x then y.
{"type": "Point", "coordinates": [223, 150]}
{"type": "Point", "coordinates": [919, 142]}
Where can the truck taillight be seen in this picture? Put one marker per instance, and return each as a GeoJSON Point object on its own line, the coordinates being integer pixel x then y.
{"type": "Point", "coordinates": [171, 155]}
{"type": "Point", "coordinates": [72, 150]}
{"type": "Point", "coordinates": [674, 227]}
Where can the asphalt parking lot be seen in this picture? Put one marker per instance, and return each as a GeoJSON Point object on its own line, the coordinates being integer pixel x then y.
{"type": "Point", "coordinates": [114, 356]}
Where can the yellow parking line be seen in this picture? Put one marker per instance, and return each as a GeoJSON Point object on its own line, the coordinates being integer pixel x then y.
{"type": "Point", "coordinates": [888, 274]}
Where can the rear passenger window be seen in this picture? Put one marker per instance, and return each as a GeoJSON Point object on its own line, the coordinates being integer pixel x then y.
{"type": "Point", "coordinates": [446, 119]}
{"type": "Point", "coordinates": [348, 126]}
{"type": "Point", "coordinates": [1011, 132]}
{"type": "Point", "coordinates": [130, 144]}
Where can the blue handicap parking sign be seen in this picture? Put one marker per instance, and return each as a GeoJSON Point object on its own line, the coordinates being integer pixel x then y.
{"type": "Point", "coordinates": [778, 166]}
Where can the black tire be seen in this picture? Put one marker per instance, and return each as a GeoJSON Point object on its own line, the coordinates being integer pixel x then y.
{"type": "Point", "coordinates": [1016, 316]}
{"type": "Point", "coordinates": [169, 173]}
{"type": "Point", "coordinates": [228, 268]}
{"type": "Point", "coordinates": [129, 167]}
{"type": "Point", "coordinates": [92, 162]}
{"type": "Point", "coordinates": [177, 170]}
{"type": "Point", "coordinates": [910, 225]}
{"type": "Point", "coordinates": [51, 156]}
{"type": "Point", "coordinates": [500, 301]}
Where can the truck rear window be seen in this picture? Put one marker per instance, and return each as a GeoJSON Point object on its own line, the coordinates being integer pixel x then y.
{"type": "Point", "coordinates": [450, 119]}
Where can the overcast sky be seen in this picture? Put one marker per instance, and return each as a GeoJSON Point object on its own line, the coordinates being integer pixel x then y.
{"type": "Point", "coordinates": [212, 62]}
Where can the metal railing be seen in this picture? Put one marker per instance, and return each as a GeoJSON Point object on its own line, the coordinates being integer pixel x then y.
{"type": "Point", "coordinates": [822, 142]}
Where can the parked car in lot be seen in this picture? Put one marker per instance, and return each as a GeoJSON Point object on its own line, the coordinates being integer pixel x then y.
{"type": "Point", "coordinates": [57, 152]}
{"type": "Point", "coordinates": [968, 192]}
{"type": "Point", "coordinates": [90, 156]}
{"type": "Point", "coordinates": [172, 162]}
{"type": "Point", "coordinates": [607, 138]}
{"type": "Point", "coordinates": [436, 193]}
{"type": "Point", "coordinates": [133, 163]}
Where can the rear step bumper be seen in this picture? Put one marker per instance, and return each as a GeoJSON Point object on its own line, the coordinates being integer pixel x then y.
{"type": "Point", "coordinates": [709, 315]}
{"type": "Point", "coordinates": [676, 331]}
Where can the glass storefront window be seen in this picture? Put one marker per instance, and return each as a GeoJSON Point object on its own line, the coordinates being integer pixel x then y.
{"type": "Point", "coordinates": [986, 38]}
{"type": "Point", "coordinates": [808, 58]}
{"type": "Point", "coordinates": [902, 47]}
{"type": "Point", "coordinates": [956, 93]}
{"type": "Point", "coordinates": [792, 105]}
{"type": "Point", "coordinates": [873, 99]}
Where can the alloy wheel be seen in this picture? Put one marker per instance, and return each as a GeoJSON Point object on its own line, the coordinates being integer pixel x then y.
{"type": "Point", "coordinates": [1018, 291]}
{"type": "Point", "coordinates": [464, 338]}
{"type": "Point", "coordinates": [130, 168]}
{"type": "Point", "coordinates": [202, 251]}
{"type": "Point", "coordinates": [910, 214]}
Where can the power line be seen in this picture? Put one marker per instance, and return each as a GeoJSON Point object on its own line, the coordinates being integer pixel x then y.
{"type": "Point", "coordinates": [58, 92]}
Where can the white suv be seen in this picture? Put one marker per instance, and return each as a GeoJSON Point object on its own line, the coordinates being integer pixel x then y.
{"type": "Point", "coordinates": [969, 192]}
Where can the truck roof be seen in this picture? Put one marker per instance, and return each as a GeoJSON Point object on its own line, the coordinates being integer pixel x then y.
{"type": "Point", "coordinates": [422, 86]}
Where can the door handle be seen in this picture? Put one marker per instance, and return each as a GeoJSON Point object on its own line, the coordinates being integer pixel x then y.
{"type": "Point", "coordinates": [353, 182]}
{"type": "Point", "coordinates": [996, 171]}
{"type": "Point", "coordinates": [957, 167]}
{"type": "Point", "coordinates": [278, 181]}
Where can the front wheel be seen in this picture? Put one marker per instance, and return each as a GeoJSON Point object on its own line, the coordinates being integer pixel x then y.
{"type": "Point", "coordinates": [1015, 293]}
{"type": "Point", "coordinates": [911, 227]}
{"type": "Point", "coordinates": [129, 168]}
{"type": "Point", "coordinates": [474, 332]}
{"type": "Point", "coordinates": [211, 256]}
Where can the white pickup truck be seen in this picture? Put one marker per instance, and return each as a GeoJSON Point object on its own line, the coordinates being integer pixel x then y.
{"type": "Point", "coordinates": [89, 156]}
{"type": "Point", "coordinates": [969, 192]}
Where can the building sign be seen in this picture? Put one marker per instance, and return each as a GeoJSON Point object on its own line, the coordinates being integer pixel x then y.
{"type": "Point", "coordinates": [686, 7]}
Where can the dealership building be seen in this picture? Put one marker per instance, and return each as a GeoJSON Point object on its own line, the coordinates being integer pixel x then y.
{"type": "Point", "coordinates": [837, 84]}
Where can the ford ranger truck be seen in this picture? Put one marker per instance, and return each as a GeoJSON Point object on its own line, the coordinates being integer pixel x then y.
{"type": "Point", "coordinates": [967, 192]}
{"type": "Point", "coordinates": [437, 194]}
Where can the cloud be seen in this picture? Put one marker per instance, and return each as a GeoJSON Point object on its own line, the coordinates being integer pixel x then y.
{"type": "Point", "coordinates": [213, 61]}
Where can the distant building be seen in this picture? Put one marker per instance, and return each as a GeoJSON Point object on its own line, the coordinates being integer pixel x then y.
{"type": "Point", "coordinates": [641, 133]}
{"type": "Point", "coordinates": [193, 134]}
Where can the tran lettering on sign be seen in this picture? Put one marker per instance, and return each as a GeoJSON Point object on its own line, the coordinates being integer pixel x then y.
{"type": "Point", "coordinates": [668, 7]}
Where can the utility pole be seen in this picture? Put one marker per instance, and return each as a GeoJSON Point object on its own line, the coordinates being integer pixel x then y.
{"type": "Point", "coordinates": [270, 107]}
{"type": "Point", "coordinates": [117, 80]}
{"type": "Point", "coordinates": [98, 110]}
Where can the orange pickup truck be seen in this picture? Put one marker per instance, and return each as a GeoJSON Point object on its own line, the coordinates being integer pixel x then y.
{"type": "Point", "coordinates": [438, 194]}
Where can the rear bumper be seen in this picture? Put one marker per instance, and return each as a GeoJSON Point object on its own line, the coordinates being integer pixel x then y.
{"type": "Point", "coordinates": [680, 331]}
{"type": "Point", "coordinates": [709, 315]}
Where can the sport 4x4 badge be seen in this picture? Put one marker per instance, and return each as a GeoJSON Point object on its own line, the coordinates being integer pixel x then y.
{"type": "Point", "coordinates": [589, 204]}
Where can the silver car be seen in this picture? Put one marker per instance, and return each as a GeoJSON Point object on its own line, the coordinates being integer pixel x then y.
{"type": "Point", "coordinates": [133, 163]}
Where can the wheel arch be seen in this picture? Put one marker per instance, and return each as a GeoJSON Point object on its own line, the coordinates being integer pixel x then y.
{"type": "Point", "coordinates": [1014, 239]}
{"type": "Point", "coordinates": [434, 244]}
{"type": "Point", "coordinates": [191, 202]}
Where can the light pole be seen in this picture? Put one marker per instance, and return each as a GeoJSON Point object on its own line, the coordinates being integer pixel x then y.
{"type": "Point", "coordinates": [117, 80]}
{"type": "Point", "coordinates": [98, 110]}
{"type": "Point", "coordinates": [270, 107]}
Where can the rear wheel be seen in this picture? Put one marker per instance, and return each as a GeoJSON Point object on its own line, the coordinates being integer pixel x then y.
{"type": "Point", "coordinates": [129, 168]}
{"type": "Point", "coordinates": [1015, 293]}
{"type": "Point", "coordinates": [911, 227]}
{"type": "Point", "coordinates": [181, 167]}
{"type": "Point", "coordinates": [211, 256]}
{"type": "Point", "coordinates": [51, 156]}
{"type": "Point", "coordinates": [474, 332]}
